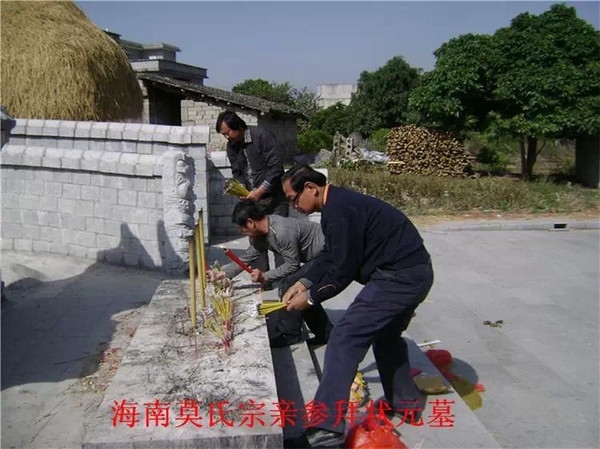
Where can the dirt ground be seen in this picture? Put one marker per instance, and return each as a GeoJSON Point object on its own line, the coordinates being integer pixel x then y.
{"type": "Point", "coordinates": [422, 221]}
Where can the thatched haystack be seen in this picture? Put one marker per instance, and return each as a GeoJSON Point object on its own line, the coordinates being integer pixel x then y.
{"type": "Point", "coordinates": [56, 64]}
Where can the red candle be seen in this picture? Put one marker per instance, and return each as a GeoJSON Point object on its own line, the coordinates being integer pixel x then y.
{"type": "Point", "coordinates": [236, 259]}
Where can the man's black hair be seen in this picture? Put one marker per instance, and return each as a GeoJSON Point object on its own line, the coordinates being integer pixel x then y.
{"type": "Point", "coordinates": [300, 175]}
{"type": "Point", "coordinates": [233, 121]}
{"type": "Point", "coordinates": [245, 210]}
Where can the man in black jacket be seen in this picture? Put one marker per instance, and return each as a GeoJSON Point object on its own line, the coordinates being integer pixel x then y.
{"type": "Point", "coordinates": [256, 161]}
{"type": "Point", "coordinates": [369, 241]}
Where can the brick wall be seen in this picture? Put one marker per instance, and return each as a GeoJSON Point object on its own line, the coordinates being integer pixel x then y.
{"type": "Point", "coordinates": [206, 113]}
{"type": "Point", "coordinates": [221, 206]}
{"type": "Point", "coordinates": [195, 113]}
{"type": "Point", "coordinates": [94, 190]}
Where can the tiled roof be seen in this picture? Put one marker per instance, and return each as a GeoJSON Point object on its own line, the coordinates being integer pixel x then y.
{"type": "Point", "coordinates": [197, 92]}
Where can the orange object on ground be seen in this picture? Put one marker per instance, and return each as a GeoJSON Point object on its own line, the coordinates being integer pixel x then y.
{"type": "Point", "coordinates": [370, 435]}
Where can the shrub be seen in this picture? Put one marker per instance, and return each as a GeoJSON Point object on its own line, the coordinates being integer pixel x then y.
{"type": "Point", "coordinates": [312, 141]}
{"type": "Point", "coordinates": [495, 161]}
{"type": "Point", "coordinates": [378, 140]}
{"type": "Point", "coordinates": [430, 195]}
{"type": "Point", "coordinates": [493, 153]}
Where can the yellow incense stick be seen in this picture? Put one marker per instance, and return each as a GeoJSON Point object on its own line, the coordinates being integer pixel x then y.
{"type": "Point", "coordinates": [192, 286]}
{"type": "Point", "coordinates": [201, 285]}
{"type": "Point", "coordinates": [202, 259]}
{"type": "Point", "coordinates": [270, 306]}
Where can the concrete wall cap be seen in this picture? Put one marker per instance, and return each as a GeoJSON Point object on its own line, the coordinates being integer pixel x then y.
{"type": "Point", "coordinates": [116, 126]}
{"type": "Point", "coordinates": [20, 127]}
{"type": "Point", "coordinates": [133, 126]}
{"type": "Point", "coordinates": [92, 154]}
{"type": "Point", "coordinates": [54, 152]}
{"type": "Point", "coordinates": [74, 154]}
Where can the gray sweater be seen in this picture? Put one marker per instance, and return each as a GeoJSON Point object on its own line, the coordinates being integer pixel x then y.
{"type": "Point", "coordinates": [293, 241]}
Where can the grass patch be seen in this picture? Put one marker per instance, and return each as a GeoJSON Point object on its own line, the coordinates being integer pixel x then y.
{"type": "Point", "coordinates": [425, 195]}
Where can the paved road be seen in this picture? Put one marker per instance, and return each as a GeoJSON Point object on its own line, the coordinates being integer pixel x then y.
{"type": "Point", "coordinates": [540, 369]}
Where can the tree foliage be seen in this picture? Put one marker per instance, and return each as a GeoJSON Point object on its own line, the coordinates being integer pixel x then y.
{"type": "Point", "coordinates": [333, 119]}
{"type": "Point", "coordinates": [548, 75]}
{"type": "Point", "coordinates": [382, 96]}
{"type": "Point", "coordinates": [276, 92]}
{"type": "Point", "coordinates": [303, 100]}
{"type": "Point", "coordinates": [456, 95]}
{"type": "Point", "coordinates": [314, 140]}
{"type": "Point", "coordinates": [538, 78]}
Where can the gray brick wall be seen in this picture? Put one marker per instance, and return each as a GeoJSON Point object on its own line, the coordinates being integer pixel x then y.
{"type": "Point", "coordinates": [93, 190]}
{"type": "Point", "coordinates": [195, 113]}
{"type": "Point", "coordinates": [221, 206]}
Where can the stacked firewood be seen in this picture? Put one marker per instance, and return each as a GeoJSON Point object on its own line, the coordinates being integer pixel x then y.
{"type": "Point", "coordinates": [415, 150]}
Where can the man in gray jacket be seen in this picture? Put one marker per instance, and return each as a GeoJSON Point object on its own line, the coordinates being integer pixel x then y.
{"type": "Point", "coordinates": [295, 244]}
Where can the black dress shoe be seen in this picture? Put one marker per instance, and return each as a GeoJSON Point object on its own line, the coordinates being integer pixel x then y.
{"type": "Point", "coordinates": [323, 438]}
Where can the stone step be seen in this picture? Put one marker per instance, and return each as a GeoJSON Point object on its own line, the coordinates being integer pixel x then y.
{"type": "Point", "coordinates": [306, 363]}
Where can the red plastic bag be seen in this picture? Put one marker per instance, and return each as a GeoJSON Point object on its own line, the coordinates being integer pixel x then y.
{"type": "Point", "coordinates": [370, 435]}
{"type": "Point", "coordinates": [441, 359]}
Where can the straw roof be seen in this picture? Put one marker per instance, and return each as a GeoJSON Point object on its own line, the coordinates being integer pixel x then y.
{"type": "Point", "coordinates": [56, 64]}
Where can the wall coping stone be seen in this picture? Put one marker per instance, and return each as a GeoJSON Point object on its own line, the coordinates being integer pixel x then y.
{"type": "Point", "coordinates": [89, 160]}
{"type": "Point", "coordinates": [180, 135]}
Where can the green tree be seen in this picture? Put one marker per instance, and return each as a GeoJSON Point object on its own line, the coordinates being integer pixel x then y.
{"type": "Point", "coordinates": [302, 100]}
{"type": "Point", "coordinates": [456, 96]}
{"type": "Point", "coordinates": [548, 80]}
{"type": "Point", "coordinates": [305, 101]}
{"type": "Point", "coordinates": [333, 119]}
{"type": "Point", "coordinates": [278, 93]}
{"type": "Point", "coordinates": [382, 96]}
{"type": "Point", "coordinates": [313, 140]}
{"type": "Point", "coordinates": [537, 79]}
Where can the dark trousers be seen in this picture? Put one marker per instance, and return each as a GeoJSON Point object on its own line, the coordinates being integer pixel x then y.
{"type": "Point", "coordinates": [378, 316]}
{"type": "Point", "coordinates": [289, 324]}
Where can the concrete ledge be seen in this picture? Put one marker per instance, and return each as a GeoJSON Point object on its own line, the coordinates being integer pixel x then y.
{"type": "Point", "coordinates": [161, 364]}
{"type": "Point", "coordinates": [467, 431]}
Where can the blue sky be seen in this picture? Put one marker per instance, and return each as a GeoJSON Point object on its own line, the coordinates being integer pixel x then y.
{"type": "Point", "coordinates": [307, 43]}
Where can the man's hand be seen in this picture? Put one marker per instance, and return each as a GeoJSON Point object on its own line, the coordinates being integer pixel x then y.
{"type": "Point", "coordinates": [256, 194]}
{"type": "Point", "coordinates": [214, 275]}
{"type": "Point", "coordinates": [295, 289]}
{"type": "Point", "coordinates": [298, 302]}
{"type": "Point", "coordinates": [258, 276]}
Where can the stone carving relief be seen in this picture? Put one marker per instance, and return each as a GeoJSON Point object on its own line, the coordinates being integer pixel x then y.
{"type": "Point", "coordinates": [178, 202]}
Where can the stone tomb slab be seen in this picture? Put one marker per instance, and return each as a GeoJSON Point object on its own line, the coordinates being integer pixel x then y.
{"type": "Point", "coordinates": [162, 364]}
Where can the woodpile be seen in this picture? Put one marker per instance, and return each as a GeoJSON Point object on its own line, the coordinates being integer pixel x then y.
{"type": "Point", "coordinates": [415, 150]}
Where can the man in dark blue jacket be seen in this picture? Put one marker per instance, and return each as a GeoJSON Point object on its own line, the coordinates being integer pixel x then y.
{"type": "Point", "coordinates": [369, 241]}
